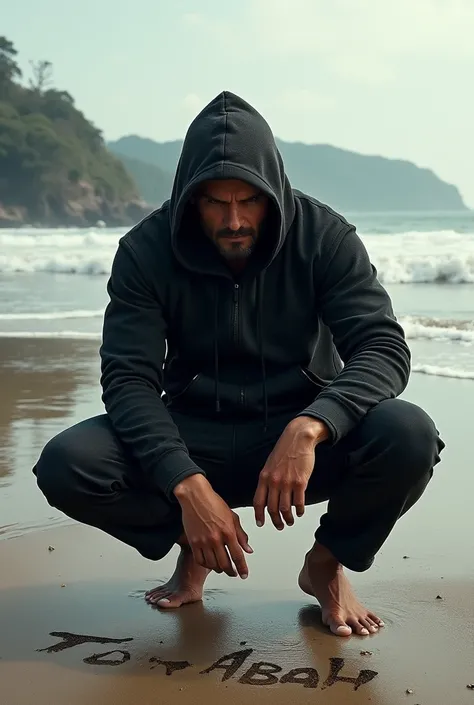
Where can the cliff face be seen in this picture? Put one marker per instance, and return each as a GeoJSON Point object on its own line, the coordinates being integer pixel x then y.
{"type": "Point", "coordinates": [73, 205]}
{"type": "Point", "coordinates": [345, 180]}
{"type": "Point", "coordinates": [54, 166]}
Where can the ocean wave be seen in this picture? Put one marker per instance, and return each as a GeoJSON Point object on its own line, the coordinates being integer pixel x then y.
{"type": "Point", "coordinates": [51, 315]}
{"type": "Point", "coordinates": [401, 258]}
{"type": "Point", "coordinates": [60, 334]}
{"type": "Point", "coordinates": [396, 269]}
{"type": "Point", "coordinates": [422, 258]}
{"type": "Point", "coordinates": [438, 329]}
{"type": "Point", "coordinates": [415, 327]}
{"type": "Point", "coordinates": [426, 269]}
{"type": "Point", "coordinates": [439, 371]}
{"type": "Point", "coordinates": [56, 264]}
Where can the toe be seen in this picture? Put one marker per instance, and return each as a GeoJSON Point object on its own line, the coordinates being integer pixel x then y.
{"type": "Point", "coordinates": [157, 595]}
{"type": "Point", "coordinates": [172, 601]}
{"type": "Point", "coordinates": [166, 603]}
{"type": "Point", "coordinates": [175, 599]}
{"type": "Point", "coordinates": [338, 626]}
{"type": "Point", "coordinates": [155, 591]}
{"type": "Point", "coordinates": [376, 619]}
{"type": "Point", "coordinates": [369, 625]}
{"type": "Point", "coordinates": [357, 627]}
{"type": "Point", "coordinates": [341, 630]}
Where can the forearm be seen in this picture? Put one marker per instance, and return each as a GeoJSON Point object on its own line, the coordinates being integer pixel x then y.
{"type": "Point", "coordinates": [145, 427]}
{"type": "Point", "coordinates": [358, 312]}
{"type": "Point", "coordinates": [187, 488]}
{"type": "Point", "coordinates": [371, 376]}
{"type": "Point", "coordinates": [308, 431]}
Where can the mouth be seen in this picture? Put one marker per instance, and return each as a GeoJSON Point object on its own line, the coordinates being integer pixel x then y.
{"type": "Point", "coordinates": [234, 237]}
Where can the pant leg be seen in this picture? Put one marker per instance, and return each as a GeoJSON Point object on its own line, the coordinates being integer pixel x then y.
{"type": "Point", "coordinates": [371, 477]}
{"type": "Point", "coordinates": [86, 473]}
{"type": "Point", "coordinates": [384, 466]}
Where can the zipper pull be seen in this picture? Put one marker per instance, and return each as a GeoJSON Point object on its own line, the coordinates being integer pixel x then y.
{"type": "Point", "coordinates": [236, 292]}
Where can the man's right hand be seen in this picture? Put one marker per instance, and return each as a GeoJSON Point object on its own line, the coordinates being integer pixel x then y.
{"type": "Point", "coordinates": [213, 530]}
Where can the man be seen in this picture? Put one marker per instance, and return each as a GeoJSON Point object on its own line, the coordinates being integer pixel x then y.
{"type": "Point", "coordinates": [249, 357]}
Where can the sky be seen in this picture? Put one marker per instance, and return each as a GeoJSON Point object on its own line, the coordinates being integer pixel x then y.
{"type": "Point", "coordinates": [388, 77]}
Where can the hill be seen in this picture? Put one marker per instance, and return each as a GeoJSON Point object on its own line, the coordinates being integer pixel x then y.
{"type": "Point", "coordinates": [54, 166]}
{"type": "Point", "coordinates": [154, 184]}
{"type": "Point", "coordinates": [345, 180]}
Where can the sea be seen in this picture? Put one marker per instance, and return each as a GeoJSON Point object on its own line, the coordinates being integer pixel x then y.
{"type": "Point", "coordinates": [53, 282]}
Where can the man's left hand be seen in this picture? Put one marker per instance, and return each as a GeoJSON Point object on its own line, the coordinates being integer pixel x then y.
{"type": "Point", "coordinates": [285, 476]}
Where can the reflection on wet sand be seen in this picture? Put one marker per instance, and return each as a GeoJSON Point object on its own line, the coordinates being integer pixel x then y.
{"type": "Point", "coordinates": [43, 383]}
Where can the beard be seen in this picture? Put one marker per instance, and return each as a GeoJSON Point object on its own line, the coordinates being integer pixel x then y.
{"type": "Point", "coordinates": [235, 250]}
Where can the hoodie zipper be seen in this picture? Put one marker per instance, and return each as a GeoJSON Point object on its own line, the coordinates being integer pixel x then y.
{"type": "Point", "coordinates": [235, 320]}
{"type": "Point", "coordinates": [236, 314]}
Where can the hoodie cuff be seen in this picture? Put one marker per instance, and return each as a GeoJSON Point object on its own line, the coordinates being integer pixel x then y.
{"type": "Point", "coordinates": [333, 414]}
{"type": "Point", "coordinates": [172, 469]}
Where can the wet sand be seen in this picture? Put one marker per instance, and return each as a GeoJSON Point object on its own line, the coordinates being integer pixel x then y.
{"type": "Point", "coordinates": [95, 640]}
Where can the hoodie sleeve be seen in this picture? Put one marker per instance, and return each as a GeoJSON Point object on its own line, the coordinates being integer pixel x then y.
{"type": "Point", "coordinates": [132, 354]}
{"type": "Point", "coordinates": [370, 341]}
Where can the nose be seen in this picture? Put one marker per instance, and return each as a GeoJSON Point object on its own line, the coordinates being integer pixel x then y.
{"type": "Point", "coordinates": [233, 217]}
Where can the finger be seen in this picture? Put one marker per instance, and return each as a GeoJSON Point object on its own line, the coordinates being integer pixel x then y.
{"type": "Point", "coordinates": [238, 558]}
{"type": "Point", "coordinates": [285, 507]}
{"type": "Point", "coordinates": [242, 536]}
{"type": "Point", "coordinates": [198, 556]}
{"type": "Point", "coordinates": [223, 561]}
{"type": "Point", "coordinates": [273, 506]}
{"type": "Point", "coordinates": [209, 558]}
{"type": "Point", "coordinates": [298, 500]}
{"type": "Point", "coordinates": [259, 502]}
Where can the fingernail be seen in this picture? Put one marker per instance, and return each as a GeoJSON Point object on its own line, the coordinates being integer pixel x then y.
{"type": "Point", "coordinates": [381, 624]}
{"type": "Point", "coordinates": [244, 576]}
{"type": "Point", "coordinates": [164, 601]}
{"type": "Point", "coordinates": [259, 523]}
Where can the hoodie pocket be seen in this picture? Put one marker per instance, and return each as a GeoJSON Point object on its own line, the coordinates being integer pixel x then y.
{"type": "Point", "coordinates": [313, 379]}
{"type": "Point", "coordinates": [175, 395]}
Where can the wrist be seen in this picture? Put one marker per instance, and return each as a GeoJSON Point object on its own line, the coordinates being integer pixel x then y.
{"type": "Point", "coordinates": [190, 486]}
{"type": "Point", "coordinates": [309, 429]}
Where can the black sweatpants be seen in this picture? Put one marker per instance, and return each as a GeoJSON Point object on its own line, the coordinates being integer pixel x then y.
{"type": "Point", "coordinates": [371, 477]}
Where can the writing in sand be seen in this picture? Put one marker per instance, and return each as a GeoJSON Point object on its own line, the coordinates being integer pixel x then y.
{"type": "Point", "coordinates": [261, 673]}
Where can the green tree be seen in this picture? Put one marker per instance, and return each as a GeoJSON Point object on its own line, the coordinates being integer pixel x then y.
{"type": "Point", "coordinates": [42, 76]}
{"type": "Point", "coordinates": [53, 161]}
{"type": "Point", "coordinates": [9, 69]}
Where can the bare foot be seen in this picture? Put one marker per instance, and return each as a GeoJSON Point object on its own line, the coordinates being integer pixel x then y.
{"type": "Point", "coordinates": [185, 586]}
{"type": "Point", "coordinates": [323, 577]}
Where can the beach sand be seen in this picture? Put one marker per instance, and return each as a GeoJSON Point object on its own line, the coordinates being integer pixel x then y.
{"type": "Point", "coordinates": [76, 629]}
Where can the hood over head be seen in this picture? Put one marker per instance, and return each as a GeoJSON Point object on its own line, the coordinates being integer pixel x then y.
{"type": "Point", "coordinates": [229, 139]}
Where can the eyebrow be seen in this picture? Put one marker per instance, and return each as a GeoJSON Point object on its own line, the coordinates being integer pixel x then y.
{"type": "Point", "coordinates": [241, 200]}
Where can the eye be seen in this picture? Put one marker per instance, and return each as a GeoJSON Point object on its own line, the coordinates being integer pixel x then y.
{"type": "Point", "coordinates": [254, 199]}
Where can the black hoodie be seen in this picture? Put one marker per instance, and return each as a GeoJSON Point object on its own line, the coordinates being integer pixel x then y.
{"type": "Point", "coordinates": [307, 329]}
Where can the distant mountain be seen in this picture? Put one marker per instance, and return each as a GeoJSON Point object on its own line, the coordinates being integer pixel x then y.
{"type": "Point", "coordinates": [345, 180]}
{"type": "Point", "coordinates": [154, 184]}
